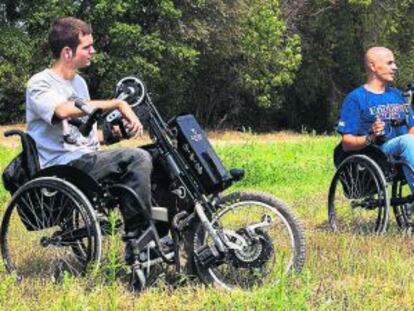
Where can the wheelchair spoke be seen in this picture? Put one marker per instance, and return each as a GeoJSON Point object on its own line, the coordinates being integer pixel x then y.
{"type": "Point", "coordinates": [61, 206]}
{"type": "Point", "coordinates": [24, 217]}
{"type": "Point", "coordinates": [31, 208]}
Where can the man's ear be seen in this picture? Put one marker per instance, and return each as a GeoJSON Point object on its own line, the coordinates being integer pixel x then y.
{"type": "Point", "coordinates": [371, 66]}
{"type": "Point", "coordinates": [67, 53]}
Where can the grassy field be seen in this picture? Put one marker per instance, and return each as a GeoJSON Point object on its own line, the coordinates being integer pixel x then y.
{"type": "Point", "coordinates": [342, 272]}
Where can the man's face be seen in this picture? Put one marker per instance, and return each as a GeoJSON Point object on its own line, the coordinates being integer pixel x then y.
{"type": "Point", "coordinates": [384, 67]}
{"type": "Point", "coordinates": [84, 51]}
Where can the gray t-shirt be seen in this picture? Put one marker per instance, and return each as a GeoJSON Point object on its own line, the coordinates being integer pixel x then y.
{"type": "Point", "coordinates": [57, 141]}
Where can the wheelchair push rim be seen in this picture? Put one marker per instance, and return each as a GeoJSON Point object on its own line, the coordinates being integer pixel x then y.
{"type": "Point", "coordinates": [358, 199]}
{"type": "Point", "coordinates": [50, 228]}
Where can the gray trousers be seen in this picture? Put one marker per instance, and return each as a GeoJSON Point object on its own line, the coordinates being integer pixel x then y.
{"type": "Point", "coordinates": [128, 166]}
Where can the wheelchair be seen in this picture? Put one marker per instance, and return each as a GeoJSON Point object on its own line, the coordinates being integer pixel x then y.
{"type": "Point", "coordinates": [366, 184]}
{"type": "Point", "coordinates": [59, 215]}
{"type": "Point", "coordinates": [56, 218]}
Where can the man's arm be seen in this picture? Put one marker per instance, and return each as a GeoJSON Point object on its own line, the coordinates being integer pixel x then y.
{"type": "Point", "coordinates": [68, 110]}
{"type": "Point", "coordinates": [353, 142]}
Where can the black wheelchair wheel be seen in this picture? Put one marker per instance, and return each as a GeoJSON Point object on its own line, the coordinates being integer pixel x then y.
{"type": "Point", "coordinates": [402, 211]}
{"type": "Point", "coordinates": [268, 242]}
{"type": "Point", "coordinates": [358, 199]}
{"type": "Point", "coordinates": [49, 228]}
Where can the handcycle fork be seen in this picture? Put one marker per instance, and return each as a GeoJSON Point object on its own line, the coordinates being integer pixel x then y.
{"type": "Point", "coordinates": [266, 222]}
{"type": "Point", "coordinates": [220, 240]}
{"type": "Point", "coordinates": [209, 227]}
{"type": "Point", "coordinates": [251, 231]}
{"type": "Point", "coordinates": [138, 275]}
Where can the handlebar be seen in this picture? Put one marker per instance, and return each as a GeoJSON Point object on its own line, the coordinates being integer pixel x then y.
{"type": "Point", "coordinates": [129, 89]}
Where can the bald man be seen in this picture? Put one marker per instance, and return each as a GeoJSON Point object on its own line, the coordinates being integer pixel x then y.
{"type": "Point", "coordinates": [376, 113]}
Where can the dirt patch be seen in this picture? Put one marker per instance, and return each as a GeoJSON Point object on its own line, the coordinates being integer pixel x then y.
{"type": "Point", "coordinates": [237, 137]}
{"type": "Point", "coordinates": [214, 136]}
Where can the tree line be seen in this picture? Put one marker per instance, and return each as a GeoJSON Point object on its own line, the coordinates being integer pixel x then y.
{"type": "Point", "coordinates": [260, 64]}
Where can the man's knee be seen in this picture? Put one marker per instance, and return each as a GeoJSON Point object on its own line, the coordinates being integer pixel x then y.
{"type": "Point", "coordinates": [407, 142]}
{"type": "Point", "coordinates": [137, 156]}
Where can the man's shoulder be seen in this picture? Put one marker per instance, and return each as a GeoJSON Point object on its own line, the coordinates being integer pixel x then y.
{"type": "Point", "coordinates": [78, 79]}
{"type": "Point", "coordinates": [357, 92]}
{"type": "Point", "coordinates": [394, 90]}
{"type": "Point", "coordinates": [355, 95]}
{"type": "Point", "coordinates": [40, 77]}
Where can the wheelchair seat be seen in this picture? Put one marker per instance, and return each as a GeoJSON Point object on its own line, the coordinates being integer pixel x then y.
{"type": "Point", "coordinates": [371, 151]}
{"type": "Point", "coordinates": [25, 166]}
{"type": "Point", "coordinates": [390, 165]}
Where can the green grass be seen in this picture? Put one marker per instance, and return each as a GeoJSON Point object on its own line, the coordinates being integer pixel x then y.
{"type": "Point", "coordinates": [342, 272]}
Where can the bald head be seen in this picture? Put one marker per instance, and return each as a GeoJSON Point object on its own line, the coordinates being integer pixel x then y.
{"type": "Point", "coordinates": [374, 54]}
{"type": "Point", "coordinates": [380, 64]}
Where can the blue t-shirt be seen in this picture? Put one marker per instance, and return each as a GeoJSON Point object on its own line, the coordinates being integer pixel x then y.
{"type": "Point", "coordinates": [361, 108]}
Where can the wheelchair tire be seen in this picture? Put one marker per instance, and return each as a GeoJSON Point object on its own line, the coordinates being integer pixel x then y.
{"type": "Point", "coordinates": [402, 212]}
{"type": "Point", "coordinates": [358, 199]}
{"type": "Point", "coordinates": [271, 250]}
{"type": "Point", "coordinates": [49, 228]}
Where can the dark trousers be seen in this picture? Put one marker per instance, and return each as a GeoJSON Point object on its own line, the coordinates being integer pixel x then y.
{"type": "Point", "coordinates": [128, 166]}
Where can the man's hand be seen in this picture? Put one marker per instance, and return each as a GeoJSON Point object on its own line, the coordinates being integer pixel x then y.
{"type": "Point", "coordinates": [352, 142]}
{"type": "Point", "coordinates": [378, 128]}
{"type": "Point", "coordinates": [132, 122]}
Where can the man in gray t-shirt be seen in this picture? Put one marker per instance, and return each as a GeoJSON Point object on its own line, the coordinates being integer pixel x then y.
{"type": "Point", "coordinates": [50, 106]}
{"type": "Point", "coordinates": [57, 142]}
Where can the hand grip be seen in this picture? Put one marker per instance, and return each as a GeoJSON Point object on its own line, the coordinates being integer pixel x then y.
{"type": "Point", "coordinates": [115, 118]}
{"type": "Point", "coordinates": [124, 130]}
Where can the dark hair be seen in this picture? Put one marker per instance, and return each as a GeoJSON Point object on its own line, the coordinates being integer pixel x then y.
{"type": "Point", "coordinates": [65, 32]}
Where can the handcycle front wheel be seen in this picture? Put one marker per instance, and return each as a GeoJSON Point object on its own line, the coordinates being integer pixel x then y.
{"type": "Point", "coordinates": [49, 228]}
{"type": "Point", "coordinates": [358, 200]}
{"type": "Point", "coordinates": [269, 237]}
